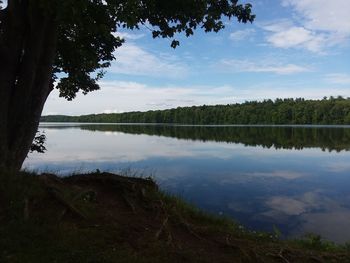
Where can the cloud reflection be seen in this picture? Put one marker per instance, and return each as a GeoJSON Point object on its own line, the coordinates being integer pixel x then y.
{"type": "Point", "coordinates": [312, 212]}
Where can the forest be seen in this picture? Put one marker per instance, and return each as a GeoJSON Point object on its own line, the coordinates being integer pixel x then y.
{"type": "Point", "coordinates": [328, 111]}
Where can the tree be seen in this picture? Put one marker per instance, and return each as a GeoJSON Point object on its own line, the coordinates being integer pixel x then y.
{"type": "Point", "coordinates": [67, 44]}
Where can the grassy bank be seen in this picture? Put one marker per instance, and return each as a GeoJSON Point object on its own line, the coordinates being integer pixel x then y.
{"type": "Point", "coordinates": [101, 217]}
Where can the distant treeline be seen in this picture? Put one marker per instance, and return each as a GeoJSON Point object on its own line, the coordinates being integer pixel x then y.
{"type": "Point", "coordinates": [280, 111]}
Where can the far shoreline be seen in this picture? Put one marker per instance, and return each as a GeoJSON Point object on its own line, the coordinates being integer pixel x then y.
{"type": "Point", "coordinates": [197, 125]}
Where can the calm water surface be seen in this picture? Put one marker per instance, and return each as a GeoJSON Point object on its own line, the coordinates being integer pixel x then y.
{"type": "Point", "coordinates": [294, 178]}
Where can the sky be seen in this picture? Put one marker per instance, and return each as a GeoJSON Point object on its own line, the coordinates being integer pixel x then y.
{"type": "Point", "coordinates": [294, 48]}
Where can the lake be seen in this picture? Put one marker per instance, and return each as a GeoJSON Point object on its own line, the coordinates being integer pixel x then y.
{"type": "Point", "coordinates": [293, 178]}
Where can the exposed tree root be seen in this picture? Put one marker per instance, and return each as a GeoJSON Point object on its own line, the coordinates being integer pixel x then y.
{"type": "Point", "coordinates": [129, 203]}
{"type": "Point", "coordinates": [162, 227]}
{"type": "Point", "coordinates": [55, 192]}
{"type": "Point", "coordinates": [280, 254]}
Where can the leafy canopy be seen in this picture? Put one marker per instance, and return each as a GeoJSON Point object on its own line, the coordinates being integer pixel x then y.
{"type": "Point", "coordinates": [86, 31]}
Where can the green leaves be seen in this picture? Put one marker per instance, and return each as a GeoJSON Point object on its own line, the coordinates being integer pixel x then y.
{"type": "Point", "coordinates": [175, 43]}
{"type": "Point", "coordinates": [86, 42]}
{"type": "Point", "coordinates": [38, 144]}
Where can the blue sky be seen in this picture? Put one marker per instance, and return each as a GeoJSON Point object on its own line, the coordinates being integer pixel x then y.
{"type": "Point", "coordinates": [293, 49]}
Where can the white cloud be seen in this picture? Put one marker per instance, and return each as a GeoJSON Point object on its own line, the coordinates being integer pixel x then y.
{"type": "Point", "coordinates": [3, 4]}
{"type": "Point", "coordinates": [120, 96]}
{"type": "Point", "coordinates": [134, 60]}
{"type": "Point", "coordinates": [126, 35]}
{"type": "Point", "coordinates": [242, 34]}
{"type": "Point", "coordinates": [338, 78]}
{"type": "Point", "coordinates": [298, 37]}
{"type": "Point", "coordinates": [111, 111]}
{"type": "Point", "coordinates": [264, 66]}
{"type": "Point", "coordinates": [320, 24]}
{"type": "Point", "coordinates": [332, 16]}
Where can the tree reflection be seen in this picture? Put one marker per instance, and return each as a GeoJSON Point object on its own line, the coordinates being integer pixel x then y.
{"type": "Point", "coordinates": [328, 139]}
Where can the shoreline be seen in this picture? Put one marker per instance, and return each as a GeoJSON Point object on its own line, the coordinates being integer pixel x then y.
{"type": "Point", "coordinates": [111, 218]}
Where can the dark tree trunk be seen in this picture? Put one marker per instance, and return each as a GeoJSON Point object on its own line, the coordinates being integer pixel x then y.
{"type": "Point", "coordinates": [27, 51]}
